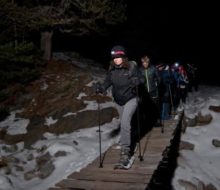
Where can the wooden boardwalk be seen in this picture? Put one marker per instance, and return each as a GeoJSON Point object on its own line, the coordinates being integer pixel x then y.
{"type": "Point", "coordinates": [93, 177]}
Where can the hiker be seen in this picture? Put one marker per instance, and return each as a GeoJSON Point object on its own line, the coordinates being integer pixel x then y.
{"type": "Point", "coordinates": [165, 91]}
{"type": "Point", "coordinates": [175, 91]}
{"type": "Point", "coordinates": [192, 73]}
{"type": "Point", "coordinates": [182, 83]}
{"type": "Point", "coordinates": [152, 80]}
{"type": "Point", "coordinates": [124, 77]}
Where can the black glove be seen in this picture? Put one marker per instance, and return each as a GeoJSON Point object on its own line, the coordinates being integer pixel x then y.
{"type": "Point", "coordinates": [99, 88]}
{"type": "Point", "coordinates": [134, 81]}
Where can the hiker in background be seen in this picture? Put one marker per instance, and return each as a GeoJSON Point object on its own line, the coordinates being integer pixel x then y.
{"type": "Point", "coordinates": [124, 77]}
{"type": "Point", "coordinates": [192, 73]}
{"type": "Point", "coordinates": [165, 93]}
{"type": "Point", "coordinates": [152, 81]}
{"type": "Point", "coordinates": [175, 73]}
{"type": "Point", "coordinates": [182, 82]}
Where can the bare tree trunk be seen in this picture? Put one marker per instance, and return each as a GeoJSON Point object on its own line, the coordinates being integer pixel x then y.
{"type": "Point", "coordinates": [46, 44]}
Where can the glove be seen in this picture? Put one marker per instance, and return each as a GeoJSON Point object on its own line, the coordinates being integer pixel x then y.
{"type": "Point", "coordinates": [99, 89]}
{"type": "Point", "coordinates": [134, 82]}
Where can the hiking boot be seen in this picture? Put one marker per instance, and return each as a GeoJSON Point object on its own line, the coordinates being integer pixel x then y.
{"type": "Point", "coordinates": [125, 158]}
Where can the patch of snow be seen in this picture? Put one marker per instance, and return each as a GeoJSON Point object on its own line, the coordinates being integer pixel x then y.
{"type": "Point", "coordinates": [82, 94]}
{"type": "Point", "coordinates": [15, 125]}
{"type": "Point", "coordinates": [50, 121]}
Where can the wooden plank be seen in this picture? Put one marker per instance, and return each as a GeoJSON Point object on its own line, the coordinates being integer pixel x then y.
{"type": "Point", "coordinates": [70, 188]}
{"type": "Point", "coordinates": [136, 169]}
{"type": "Point", "coordinates": [111, 176]}
{"type": "Point", "coordinates": [94, 185]}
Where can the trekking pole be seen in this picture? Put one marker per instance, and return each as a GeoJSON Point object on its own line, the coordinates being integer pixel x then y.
{"type": "Point", "coordinates": [160, 113]}
{"type": "Point", "coordinates": [138, 124]}
{"type": "Point", "coordinates": [100, 137]}
{"type": "Point", "coordinates": [162, 123]}
{"type": "Point", "coordinates": [171, 94]}
{"type": "Point", "coordinates": [171, 99]}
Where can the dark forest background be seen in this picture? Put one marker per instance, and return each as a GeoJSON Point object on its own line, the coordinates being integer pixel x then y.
{"type": "Point", "coordinates": [168, 32]}
{"type": "Point", "coordinates": [178, 31]}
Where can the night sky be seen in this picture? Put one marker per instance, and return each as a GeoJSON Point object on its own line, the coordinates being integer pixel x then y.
{"type": "Point", "coordinates": [168, 32]}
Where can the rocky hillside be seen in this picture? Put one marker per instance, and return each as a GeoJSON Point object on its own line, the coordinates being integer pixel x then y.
{"type": "Point", "coordinates": [61, 101]}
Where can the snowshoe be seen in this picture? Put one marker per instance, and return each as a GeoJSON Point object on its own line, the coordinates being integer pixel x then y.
{"type": "Point", "coordinates": [126, 160]}
{"type": "Point", "coordinates": [126, 164]}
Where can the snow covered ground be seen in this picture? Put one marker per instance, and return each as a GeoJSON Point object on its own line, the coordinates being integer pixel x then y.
{"type": "Point", "coordinates": [202, 163]}
{"type": "Point", "coordinates": [82, 147]}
